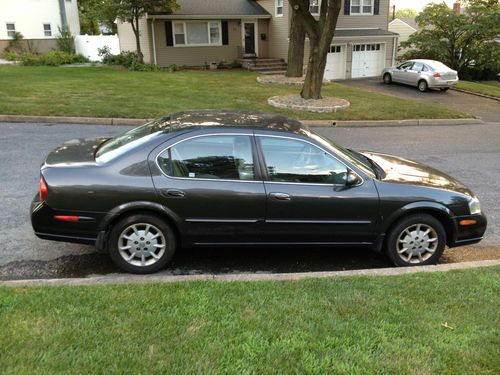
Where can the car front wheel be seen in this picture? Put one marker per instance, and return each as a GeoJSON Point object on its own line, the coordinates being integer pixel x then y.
{"type": "Point", "coordinates": [387, 78]}
{"type": "Point", "coordinates": [416, 240]}
{"type": "Point", "coordinates": [141, 244]}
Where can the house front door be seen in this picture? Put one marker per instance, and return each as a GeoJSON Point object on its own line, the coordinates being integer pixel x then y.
{"type": "Point", "coordinates": [249, 38]}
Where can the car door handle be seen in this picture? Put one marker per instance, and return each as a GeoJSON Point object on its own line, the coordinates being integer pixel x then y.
{"type": "Point", "coordinates": [280, 196]}
{"type": "Point", "coordinates": [173, 193]}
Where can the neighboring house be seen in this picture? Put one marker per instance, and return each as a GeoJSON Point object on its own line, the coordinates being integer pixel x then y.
{"type": "Point", "coordinates": [38, 21]}
{"type": "Point", "coordinates": [404, 26]}
{"type": "Point", "coordinates": [203, 32]}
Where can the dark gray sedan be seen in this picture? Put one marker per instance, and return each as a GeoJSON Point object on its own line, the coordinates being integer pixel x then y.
{"type": "Point", "coordinates": [424, 74]}
{"type": "Point", "coordinates": [217, 178]}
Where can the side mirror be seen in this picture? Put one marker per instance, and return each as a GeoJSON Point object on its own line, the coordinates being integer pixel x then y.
{"type": "Point", "coordinates": [352, 179]}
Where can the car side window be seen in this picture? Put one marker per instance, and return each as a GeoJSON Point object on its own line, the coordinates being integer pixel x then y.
{"type": "Point", "coordinates": [418, 67]}
{"type": "Point", "coordinates": [289, 160]}
{"type": "Point", "coordinates": [227, 157]}
{"type": "Point", "coordinates": [406, 65]}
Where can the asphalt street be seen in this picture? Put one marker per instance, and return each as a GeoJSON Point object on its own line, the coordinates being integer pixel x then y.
{"type": "Point", "coordinates": [471, 153]}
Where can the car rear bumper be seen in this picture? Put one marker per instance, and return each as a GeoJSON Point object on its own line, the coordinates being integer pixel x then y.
{"type": "Point", "coordinates": [47, 227]}
{"type": "Point", "coordinates": [437, 83]}
{"type": "Point", "coordinates": [470, 233]}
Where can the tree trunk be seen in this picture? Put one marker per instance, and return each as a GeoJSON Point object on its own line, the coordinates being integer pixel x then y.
{"type": "Point", "coordinates": [320, 34]}
{"type": "Point", "coordinates": [135, 29]}
{"type": "Point", "coordinates": [296, 49]}
{"type": "Point", "coordinates": [315, 72]}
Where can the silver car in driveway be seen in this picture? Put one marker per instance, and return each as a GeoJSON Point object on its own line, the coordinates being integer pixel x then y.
{"type": "Point", "coordinates": [425, 74]}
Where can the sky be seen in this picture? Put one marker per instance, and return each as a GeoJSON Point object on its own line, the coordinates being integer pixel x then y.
{"type": "Point", "coordinates": [418, 5]}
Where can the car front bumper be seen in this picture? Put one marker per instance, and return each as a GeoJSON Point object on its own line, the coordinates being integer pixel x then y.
{"type": "Point", "coordinates": [470, 233]}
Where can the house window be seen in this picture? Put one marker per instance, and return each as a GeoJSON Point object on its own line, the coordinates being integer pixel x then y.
{"type": "Point", "coordinates": [11, 29]}
{"type": "Point", "coordinates": [335, 49]}
{"type": "Point", "coordinates": [314, 7]}
{"type": "Point", "coordinates": [197, 33]}
{"type": "Point", "coordinates": [279, 8]}
{"type": "Point", "coordinates": [47, 29]}
{"type": "Point", "coordinates": [361, 6]}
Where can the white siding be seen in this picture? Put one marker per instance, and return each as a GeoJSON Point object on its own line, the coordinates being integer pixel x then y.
{"type": "Point", "coordinates": [403, 29]}
{"type": "Point", "coordinates": [127, 38]}
{"type": "Point", "coordinates": [30, 15]}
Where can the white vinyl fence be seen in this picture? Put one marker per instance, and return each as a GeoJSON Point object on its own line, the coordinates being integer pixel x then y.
{"type": "Point", "coordinates": [88, 45]}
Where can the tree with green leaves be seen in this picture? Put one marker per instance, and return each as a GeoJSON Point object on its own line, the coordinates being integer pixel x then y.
{"type": "Point", "coordinates": [320, 32]}
{"type": "Point", "coordinates": [461, 41]}
{"type": "Point", "coordinates": [132, 11]}
{"type": "Point", "coordinates": [406, 13]}
{"type": "Point", "coordinates": [96, 13]}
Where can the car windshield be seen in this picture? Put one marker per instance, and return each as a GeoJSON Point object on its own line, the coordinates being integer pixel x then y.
{"type": "Point", "coordinates": [118, 145]}
{"type": "Point", "coordinates": [436, 65]}
{"type": "Point", "coordinates": [353, 157]}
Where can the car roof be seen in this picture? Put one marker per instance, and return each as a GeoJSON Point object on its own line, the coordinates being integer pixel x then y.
{"type": "Point", "coordinates": [232, 119]}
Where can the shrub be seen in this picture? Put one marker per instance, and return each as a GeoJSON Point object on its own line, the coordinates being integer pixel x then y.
{"type": "Point", "coordinates": [11, 56]}
{"type": "Point", "coordinates": [15, 44]}
{"type": "Point", "coordinates": [53, 58]}
{"type": "Point", "coordinates": [129, 60]}
{"type": "Point", "coordinates": [65, 41]}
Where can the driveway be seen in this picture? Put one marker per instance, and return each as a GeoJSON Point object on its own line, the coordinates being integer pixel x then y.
{"type": "Point", "coordinates": [486, 109]}
{"type": "Point", "coordinates": [470, 153]}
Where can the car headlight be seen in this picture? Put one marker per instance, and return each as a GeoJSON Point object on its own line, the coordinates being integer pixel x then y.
{"type": "Point", "coordinates": [474, 206]}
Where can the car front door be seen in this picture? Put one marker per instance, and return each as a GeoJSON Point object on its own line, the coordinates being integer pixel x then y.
{"type": "Point", "coordinates": [401, 73]}
{"type": "Point", "coordinates": [209, 182]}
{"type": "Point", "coordinates": [308, 200]}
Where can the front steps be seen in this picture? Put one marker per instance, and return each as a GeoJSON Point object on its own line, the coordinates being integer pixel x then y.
{"type": "Point", "coordinates": [264, 65]}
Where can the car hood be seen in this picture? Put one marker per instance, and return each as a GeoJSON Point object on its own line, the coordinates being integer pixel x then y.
{"type": "Point", "coordinates": [75, 151]}
{"type": "Point", "coordinates": [406, 171]}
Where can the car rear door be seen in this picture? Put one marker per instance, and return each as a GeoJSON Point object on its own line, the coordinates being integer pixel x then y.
{"type": "Point", "coordinates": [210, 182]}
{"type": "Point", "coordinates": [307, 198]}
{"type": "Point", "coordinates": [413, 74]}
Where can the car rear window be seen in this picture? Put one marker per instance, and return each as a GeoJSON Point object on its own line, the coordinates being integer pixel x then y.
{"type": "Point", "coordinates": [118, 145]}
{"type": "Point", "coordinates": [436, 65]}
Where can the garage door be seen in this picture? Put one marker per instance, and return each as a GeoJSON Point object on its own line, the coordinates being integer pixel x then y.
{"type": "Point", "coordinates": [335, 63]}
{"type": "Point", "coordinates": [367, 59]}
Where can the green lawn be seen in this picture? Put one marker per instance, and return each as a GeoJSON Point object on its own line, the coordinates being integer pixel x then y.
{"type": "Point", "coordinates": [104, 92]}
{"type": "Point", "coordinates": [491, 88]}
{"type": "Point", "coordinates": [358, 325]}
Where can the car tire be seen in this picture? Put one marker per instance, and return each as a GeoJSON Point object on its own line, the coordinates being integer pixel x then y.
{"type": "Point", "coordinates": [444, 89]}
{"type": "Point", "coordinates": [141, 243]}
{"type": "Point", "coordinates": [387, 78]}
{"type": "Point", "coordinates": [416, 240]}
{"type": "Point", "coordinates": [423, 86]}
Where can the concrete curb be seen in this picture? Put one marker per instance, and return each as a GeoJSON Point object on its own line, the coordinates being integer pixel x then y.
{"type": "Point", "coordinates": [159, 278]}
{"type": "Point", "coordinates": [385, 123]}
{"type": "Point", "coordinates": [477, 94]}
{"type": "Point", "coordinates": [311, 123]}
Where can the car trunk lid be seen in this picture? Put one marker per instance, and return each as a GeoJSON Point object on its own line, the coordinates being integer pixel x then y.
{"type": "Point", "coordinates": [75, 151]}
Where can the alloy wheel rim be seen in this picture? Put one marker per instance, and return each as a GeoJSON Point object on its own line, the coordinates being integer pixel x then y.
{"type": "Point", "coordinates": [422, 86]}
{"type": "Point", "coordinates": [141, 244]}
{"type": "Point", "coordinates": [417, 243]}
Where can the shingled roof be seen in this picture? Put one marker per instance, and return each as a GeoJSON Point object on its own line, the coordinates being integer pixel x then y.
{"type": "Point", "coordinates": [220, 8]}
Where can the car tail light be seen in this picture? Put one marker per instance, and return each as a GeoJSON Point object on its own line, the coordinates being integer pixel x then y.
{"type": "Point", "coordinates": [43, 189]}
{"type": "Point", "coordinates": [73, 219]}
{"type": "Point", "coordinates": [437, 75]}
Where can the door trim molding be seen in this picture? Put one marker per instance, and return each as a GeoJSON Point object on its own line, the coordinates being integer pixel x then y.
{"type": "Point", "coordinates": [362, 222]}
{"type": "Point", "coordinates": [255, 36]}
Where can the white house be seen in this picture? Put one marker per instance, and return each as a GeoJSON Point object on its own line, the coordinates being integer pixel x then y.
{"type": "Point", "coordinates": [38, 21]}
{"type": "Point", "coordinates": [404, 26]}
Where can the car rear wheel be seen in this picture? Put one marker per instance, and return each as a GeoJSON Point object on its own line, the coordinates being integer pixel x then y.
{"type": "Point", "coordinates": [416, 240]}
{"type": "Point", "coordinates": [141, 244]}
{"type": "Point", "coordinates": [387, 78]}
{"type": "Point", "coordinates": [422, 86]}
